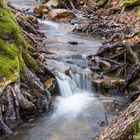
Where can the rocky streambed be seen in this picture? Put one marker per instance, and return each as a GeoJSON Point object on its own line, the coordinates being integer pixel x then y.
{"type": "Point", "coordinates": [80, 111]}
{"type": "Point", "coordinates": [87, 93]}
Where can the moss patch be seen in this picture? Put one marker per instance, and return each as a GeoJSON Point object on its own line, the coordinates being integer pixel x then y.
{"type": "Point", "coordinates": [9, 63]}
{"type": "Point", "coordinates": [130, 3]}
{"type": "Point", "coordinates": [8, 24]}
{"type": "Point", "coordinates": [137, 130]}
{"type": "Point", "coordinates": [30, 62]}
{"type": "Point", "coordinates": [12, 47]}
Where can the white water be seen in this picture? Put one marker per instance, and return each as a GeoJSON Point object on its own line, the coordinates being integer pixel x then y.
{"type": "Point", "coordinates": [78, 112]}
{"type": "Point", "coordinates": [75, 93]}
{"type": "Point", "coordinates": [67, 85]}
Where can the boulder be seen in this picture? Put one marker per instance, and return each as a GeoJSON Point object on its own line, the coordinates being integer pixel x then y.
{"type": "Point", "coordinates": [40, 9]}
{"type": "Point", "coordinates": [49, 83]}
{"type": "Point", "coordinates": [60, 15]}
{"type": "Point", "coordinates": [52, 4]}
{"type": "Point", "coordinates": [108, 82]}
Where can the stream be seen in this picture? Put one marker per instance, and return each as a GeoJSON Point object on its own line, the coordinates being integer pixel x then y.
{"type": "Point", "coordinates": [80, 113]}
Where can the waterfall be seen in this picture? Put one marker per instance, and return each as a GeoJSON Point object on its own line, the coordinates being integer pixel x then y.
{"type": "Point", "coordinates": [66, 85]}
{"type": "Point", "coordinates": [82, 82]}
{"type": "Point", "coordinates": [75, 96]}
{"type": "Point", "coordinates": [72, 84]}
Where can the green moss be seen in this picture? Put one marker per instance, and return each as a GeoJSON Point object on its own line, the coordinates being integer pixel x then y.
{"type": "Point", "coordinates": [15, 57]}
{"type": "Point", "coordinates": [31, 63]}
{"type": "Point", "coordinates": [9, 62]}
{"type": "Point", "coordinates": [138, 15]}
{"type": "Point", "coordinates": [101, 3]}
{"type": "Point", "coordinates": [138, 11]}
{"type": "Point", "coordinates": [10, 51]}
{"type": "Point", "coordinates": [12, 46]}
{"type": "Point", "coordinates": [8, 24]}
{"type": "Point", "coordinates": [130, 3]}
{"type": "Point", "coordinates": [136, 130]}
{"type": "Point", "coordinates": [139, 34]}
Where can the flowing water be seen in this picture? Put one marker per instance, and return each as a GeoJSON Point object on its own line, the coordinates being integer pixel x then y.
{"type": "Point", "coordinates": [78, 113]}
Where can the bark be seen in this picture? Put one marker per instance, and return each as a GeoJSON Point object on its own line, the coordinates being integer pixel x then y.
{"type": "Point", "coordinates": [121, 128]}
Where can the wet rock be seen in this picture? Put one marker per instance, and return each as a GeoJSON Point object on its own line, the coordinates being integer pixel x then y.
{"type": "Point", "coordinates": [52, 4]}
{"type": "Point", "coordinates": [108, 82]}
{"type": "Point", "coordinates": [38, 10]}
{"type": "Point", "coordinates": [41, 57]}
{"type": "Point", "coordinates": [49, 83]}
{"type": "Point", "coordinates": [32, 19]}
{"type": "Point", "coordinates": [98, 63]}
{"type": "Point", "coordinates": [73, 43]}
{"type": "Point", "coordinates": [60, 15]}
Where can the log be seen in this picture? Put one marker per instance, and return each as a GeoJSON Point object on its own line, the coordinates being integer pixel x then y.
{"type": "Point", "coordinates": [121, 128]}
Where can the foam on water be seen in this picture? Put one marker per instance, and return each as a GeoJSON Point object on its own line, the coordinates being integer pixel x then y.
{"type": "Point", "coordinates": [73, 105]}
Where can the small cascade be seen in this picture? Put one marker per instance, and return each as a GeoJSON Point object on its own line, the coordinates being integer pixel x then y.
{"type": "Point", "coordinates": [75, 96]}
{"type": "Point", "coordinates": [66, 85]}
{"type": "Point", "coordinates": [82, 82]}
{"type": "Point", "coordinates": [75, 83]}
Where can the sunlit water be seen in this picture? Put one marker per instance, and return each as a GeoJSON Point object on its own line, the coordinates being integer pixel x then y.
{"type": "Point", "coordinates": [78, 113]}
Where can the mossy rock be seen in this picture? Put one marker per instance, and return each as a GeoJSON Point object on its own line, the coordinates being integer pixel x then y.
{"type": "Point", "coordinates": [12, 47]}
{"type": "Point", "coordinates": [31, 63]}
{"type": "Point", "coordinates": [9, 63]}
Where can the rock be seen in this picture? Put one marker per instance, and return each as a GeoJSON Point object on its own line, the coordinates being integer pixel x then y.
{"type": "Point", "coordinates": [45, 11]}
{"type": "Point", "coordinates": [108, 82]}
{"type": "Point", "coordinates": [104, 65]}
{"type": "Point", "coordinates": [41, 57]}
{"type": "Point", "coordinates": [81, 2]}
{"type": "Point", "coordinates": [119, 50]}
{"type": "Point", "coordinates": [32, 19]}
{"type": "Point", "coordinates": [38, 10]}
{"type": "Point", "coordinates": [60, 15]}
{"type": "Point", "coordinates": [52, 4]}
{"type": "Point", "coordinates": [49, 83]}
{"type": "Point", "coordinates": [73, 43]}
{"type": "Point", "coordinates": [97, 62]}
